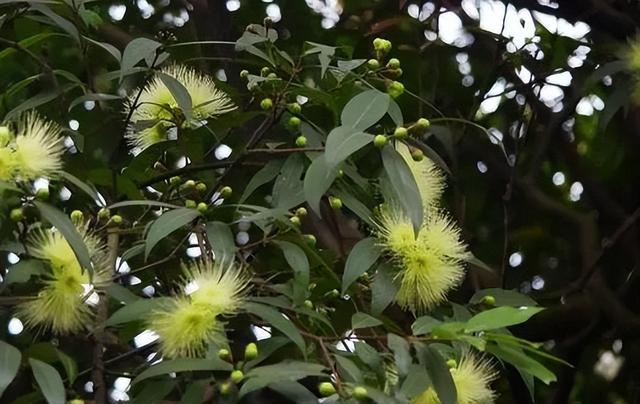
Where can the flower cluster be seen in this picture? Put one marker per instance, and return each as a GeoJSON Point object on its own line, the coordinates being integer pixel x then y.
{"type": "Point", "coordinates": [188, 322]}
{"type": "Point", "coordinates": [33, 150]}
{"type": "Point", "coordinates": [431, 259]}
{"type": "Point", "coordinates": [155, 113]}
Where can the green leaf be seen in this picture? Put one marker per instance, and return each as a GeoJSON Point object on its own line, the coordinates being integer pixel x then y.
{"type": "Point", "coordinates": [342, 142]}
{"type": "Point", "coordinates": [288, 187]}
{"type": "Point", "coordinates": [503, 297]}
{"type": "Point", "coordinates": [294, 392]}
{"type": "Point", "coordinates": [221, 240]}
{"type": "Point", "coordinates": [348, 369]}
{"type": "Point", "coordinates": [93, 97]}
{"type": "Point", "coordinates": [29, 42]}
{"type": "Point", "coordinates": [424, 325]}
{"type": "Point", "coordinates": [63, 23]}
{"type": "Point", "coordinates": [39, 99]}
{"type": "Point", "coordinates": [120, 293]}
{"type": "Point", "coordinates": [49, 381]}
{"type": "Point", "coordinates": [499, 317]}
{"type": "Point", "coordinates": [179, 93]}
{"type": "Point", "coordinates": [125, 204]}
{"type": "Point", "coordinates": [194, 393]}
{"type": "Point", "coordinates": [325, 53]}
{"type": "Point", "coordinates": [63, 224]}
{"type": "Point", "coordinates": [137, 310]}
{"type": "Point", "coordinates": [154, 392]}
{"type": "Point", "coordinates": [416, 382]}
{"type": "Point", "coordinates": [317, 180]}
{"type": "Point", "coordinates": [298, 261]}
{"type": "Point", "coordinates": [23, 271]}
{"type": "Point", "coordinates": [363, 255]}
{"type": "Point", "coordinates": [113, 51]}
{"type": "Point", "coordinates": [135, 51]}
{"type": "Point", "coordinates": [368, 354]}
{"type": "Point", "coordinates": [265, 175]}
{"type": "Point", "coordinates": [440, 375]}
{"type": "Point", "coordinates": [404, 185]}
{"type": "Point", "coordinates": [383, 289]}
{"type": "Point", "coordinates": [522, 362]}
{"type": "Point", "coordinates": [86, 188]}
{"type": "Point", "coordinates": [183, 365]}
{"type": "Point", "coordinates": [354, 205]}
{"type": "Point", "coordinates": [365, 109]}
{"type": "Point", "coordinates": [363, 320]}
{"type": "Point", "coordinates": [10, 358]}
{"type": "Point", "coordinates": [279, 321]}
{"type": "Point", "coordinates": [266, 347]}
{"type": "Point", "coordinates": [263, 376]}
{"type": "Point", "coordinates": [395, 113]}
{"type": "Point", "coordinates": [400, 348]}
{"type": "Point", "coordinates": [166, 224]}
{"type": "Point", "coordinates": [348, 65]}
{"type": "Point", "coordinates": [70, 366]}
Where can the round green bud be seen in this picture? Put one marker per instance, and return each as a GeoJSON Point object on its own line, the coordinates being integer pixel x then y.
{"type": "Point", "coordinates": [250, 351]}
{"type": "Point", "coordinates": [202, 207]}
{"type": "Point", "coordinates": [394, 73]}
{"type": "Point", "coordinates": [224, 354]}
{"type": "Point", "coordinates": [294, 122]}
{"type": "Point", "coordinates": [190, 184]}
{"type": "Point", "coordinates": [378, 44]}
{"type": "Point", "coordinates": [104, 214]}
{"type": "Point", "coordinates": [265, 71]}
{"type": "Point", "coordinates": [190, 203]}
{"type": "Point", "coordinates": [301, 212]}
{"type": "Point", "coordinates": [393, 63]}
{"type": "Point", "coordinates": [417, 155]}
{"type": "Point", "coordinates": [301, 141]}
{"type": "Point", "coordinates": [42, 194]}
{"type": "Point", "coordinates": [489, 300]}
{"type": "Point", "coordinates": [423, 123]}
{"type": "Point", "coordinates": [272, 76]}
{"type": "Point", "coordinates": [340, 174]}
{"type": "Point", "coordinates": [335, 203]}
{"type": "Point", "coordinates": [294, 108]}
{"type": "Point", "coordinates": [395, 89]}
{"type": "Point", "coordinates": [236, 376]}
{"type": "Point", "coordinates": [252, 86]}
{"type": "Point", "coordinates": [308, 304]}
{"type": "Point", "coordinates": [295, 220]}
{"type": "Point", "coordinates": [16, 214]}
{"type": "Point", "coordinates": [333, 293]}
{"type": "Point", "coordinates": [201, 187]}
{"type": "Point", "coordinates": [311, 239]}
{"type": "Point", "coordinates": [175, 180]}
{"type": "Point", "coordinates": [312, 285]}
{"type": "Point", "coordinates": [77, 216]}
{"type": "Point", "coordinates": [225, 388]}
{"type": "Point", "coordinates": [326, 389]}
{"type": "Point", "coordinates": [360, 393]}
{"type": "Point", "coordinates": [452, 363]}
{"type": "Point", "coordinates": [373, 64]}
{"type": "Point", "coordinates": [116, 219]}
{"type": "Point", "coordinates": [380, 141]}
{"type": "Point", "coordinates": [266, 104]}
{"type": "Point", "coordinates": [244, 74]}
{"type": "Point", "coordinates": [226, 192]}
{"type": "Point", "coordinates": [401, 133]}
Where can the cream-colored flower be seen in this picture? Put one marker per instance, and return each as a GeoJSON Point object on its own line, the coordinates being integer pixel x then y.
{"type": "Point", "coordinates": [219, 287]}
{"type": "Point", "coordinates": [428, 176]}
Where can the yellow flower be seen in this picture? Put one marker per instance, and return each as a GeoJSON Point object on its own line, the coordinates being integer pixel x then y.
{"type": "Point", "coordinates": [632, 56]}
{"type": "Point", "coordinates": [217, 287]}
{"type": "Point", "coordinates": [472, 377]}
{"type": "Point", "coordinates": [62, 304]}
{"type": "Point", "coordinates": [185, 328]}
{"type": "Point", "coordinates": [157, 105]}
{"type": "Point", "coordinates": [7, 164]}
{"type": "Point", "coordinates": [428, 176]}
{"type": "Point", "coordinates": [37, 148]}
{"type": "Point", "coordinates": [395, 231]}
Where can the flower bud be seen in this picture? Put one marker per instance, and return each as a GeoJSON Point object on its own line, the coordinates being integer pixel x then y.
{"type": "Point", "coordinates": [340, 174]}
{"type": "Point", "coordinates": [401, 133]}
{"type": "Point", "coordinates": [226, 192]}
{"type": "Point", "coordinates": [16, 214]}
{"type": "Point", "coordinates": [250, 351]}
{"type": "Point", "coordinates": [190, 203]}
{"type": "Point", "coordinates": [116, 220]}
{"type": "Point", "coordinates": [224, 354]}
{"type": "Point", "coordinates": [104, 214]}
{"type": "Point", "coordinates": [308, 304]}
{"type": "Point", "coordinates": [225, 388]}
{"type": "Point", "coordinates": [395, 89]}
{"type": "Point", "coordinates": [301, 212]}
{"type": "Point", "coordinates": [77, 216]}
{"type": "Point", "coordinates": [489, 300]}
{"type": "Point", "coordinates": [301, 141]}
{"type": "Point", "coordinates": [244, 74]}
{"type": "Point", "coordinates": [373, 64]}
{"type": "Point", "coordinates": [266, 104]}
{"type": "Point", "coordinates": [452, 363]}
{"type": "Point", "coordinates": [294, 108]}
{"type": "Point", "coordinates": [380, 141]}
{"type": "Point", "coordinates": [190, 184]}
{"type": "Point", "coordinates": [265, 71]}
{"type": "Point", "coordinates": [175, 180]}
{"type": "Point", "coordinates": [295, 220]}
{"type": "Point", "coordinates": [423, 123]}
{"type": "Point", "coordinates": [335, 203]}
{"type": "Point", "coordinates": [393, 63]}
{"type": "Point", "coordinates": [294, 122]}
{"type": "Point", "coordinates": [201, 187]}
{"type": "Point", "coordinates": [360, 393]}
{"type": "Point", "coordinates": [311, 239]}
{"type": "Point", "coordinates": [326, 389]}
{"type": "Point", "coordinates": [202, 207]}
{"type": "Point", "coordinates": [236, 376]}
{"type": "Point", "coordinates": [417, 155]}
{"type": "Point", "coordinates": [42, 194]}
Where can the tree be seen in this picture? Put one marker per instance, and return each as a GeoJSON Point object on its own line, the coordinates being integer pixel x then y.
{"type": "Point", "coordinates": [423, 203]}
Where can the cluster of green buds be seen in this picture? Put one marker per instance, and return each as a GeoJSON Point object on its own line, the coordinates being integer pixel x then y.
{"type": "Point", "coordinates": [191, 191]}
{"type": "Point", "coordinates": [391, 70]}
{"type": "Point", "coordinates": [237, 375]}
{"type": "Point", "coordinates": [327, 389]}
{"type": "Point", "coordinates": [402, 133]}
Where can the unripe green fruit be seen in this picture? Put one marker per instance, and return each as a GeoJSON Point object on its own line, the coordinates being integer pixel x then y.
{"type": "Point", "coordinates": [360, 393]}
{"type": "Point", "coordinates": [423, 123]}
{"type": "Point", "coordinates": [201, 187]}
{"type": "Point", "coordinates": [401, 133]}
{"type": "Point", "coordinates": [311, 239]}
{"type": "Point", "coordinates": [190, 203]}
{"type": "Point", "coordinates": [489, 300]}
{"type": "Point", "coordinates": [225, 388]}
{"type": "Point", "coordinates": [266, 104]}
{"type": "Point", "coordinates": [294, 122]}
{"type": "Point", "coordinates": [265, 71]}
{"type": "Point", "coordinates": [236, 376]}
{"type": "Point", "coordinates": [190, 184]}
{"type": "Point", "coordinates": [452, 363]}
{"type": "Point", "coordinates": [42, 194]}
{"type": "Point", "coordinates": [395, 89]}
{"type": "Point", "coordinates": [224, 354]}
{"type": "Point", "coordinates": [104, 214]}
{"type": "Point", "coordinates": [244, 74]}
{"type": "Point", "coordinates": [335, 203]}
{"type": "Point", "coordinates": [301, 141]}
{"type": "Point", "coordinates": [250, 351]}
{"type": "Point", "coordinates": [301, 212]}
{"type": "Point", "coordinates": [202, 207]}
{"type": "Point", "coordinates": [393, 63]}
{"type": "Point", "coordinates": [295, 220]}
{"type": "Point", "coordinates": [175, 180]}
{"type": "Point", "coordinates": [295, 108]}
{"type": "Point", "coordinates": [373, 64]}
{"type": "Point", "coordinates": [326, 389]}
{"type": "Point", "coordinates": [16, 214]}
{"type": "Point", "coordinates": [226, 192]}
{"type": "Point", "coordinates": [77, 216]}
{"type": "Point", "coordinates": [380, 141]}
{"type": "Point", "coordinates": [308, 304]}
{"type": "Point", "coordinates": [417, 155]}
{"type": "Point", "coordinates": [116, 219]}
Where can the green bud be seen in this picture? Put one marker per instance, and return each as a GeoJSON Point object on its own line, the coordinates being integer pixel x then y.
{"type": "Point", "coordinates": [265, 71]}
{"type": "Point", "coordinates": [250, 351]}
{"type": "Point", "coordinates": [379, 44]}
{"type": "Point", "coordinates": [294, 108]}
{"type": "Point", "coordinates": [202, 207]}
{"type": "Point", "coordinates": [301, 212]}
{"type": "Point", "coordinates": [308, 304]}
{"type": "Point", "coordinates": [225, 388]}
{"type": "Point", "coordinates": [42, 194]}
{"type": "Point", "coordinates": [272, 76]}
{"type": "Point", "coordinates": [360, 393]}
{"type": "Point", "coordinates": [224, 354]}
{"type": "Point", "coordinates": [340, 174]}
{"type": "Point", "coordinates": [175, 180]}
{"type": "Point", "coordinates": [335, 203]}
{"type": "Point", "coordinates": [236, 376]}
{"type": "Point", "coordinates": [201, 187]}
{"type": "Point", "coordinates": [16, 214]}
{"type": "Point", "coordinates": [104, 214]}
{"type": "Point", "coordinates": [489, 300]}
{"type": "Point", "coordinates": [423, 123]}
{"type": "Point", "coordinates": [266, 104]}
{"type": "Point", "coordinates": [333, 293]}
{"type": "Point", "coordinates": [417, 155]}
{"type": "Point", "coordinates": [295, 220]}
{"type": "Point", "coordinates": [393, 63]}
{"type": "Point", "coordinates": [226, 192]}
{"type": "Point", "coordinates": [301, 141]}
{"type": "Point", "coordinates": [294, 122]}
{"type": "Point", "coordinates": [190, 203]}
{"type": "Point", "coordinates": [452, 363]}
{"type": "Point", "coordinates": [394, 73]}
{"type": "Point", "coordinates": [311, 239]}
{"type": "Point", "coordinates": [373, 64]}
{"type": "Point", "coordinates": [380, 141]}
{"type": "Point", "coordinates": [190, 184]}
{"type": "Point", "coordinates": [401, 133]}
{"type": "Point", "coordinates": [326, 389]}
{"type": "Point", "coordinates": [77, 216]}
{"type": "Point", "coordinates": [252, 86]}
{"type": "Point", "coordinates": [244, 74]}
{"type": "Point", "coordinates": [116, 220]}
{"type": "Point", "coordinates": [395, 89]}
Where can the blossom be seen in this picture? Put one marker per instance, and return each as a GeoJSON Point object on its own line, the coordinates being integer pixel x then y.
{"type": "Point", "coordinates": [157, 107]}
{"type": "Point", "coordinates": [428, 176]}
{"type": "Point", "coordinates": [219, 286]}
{"type": "Point", "coordinates": [472, 377]}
